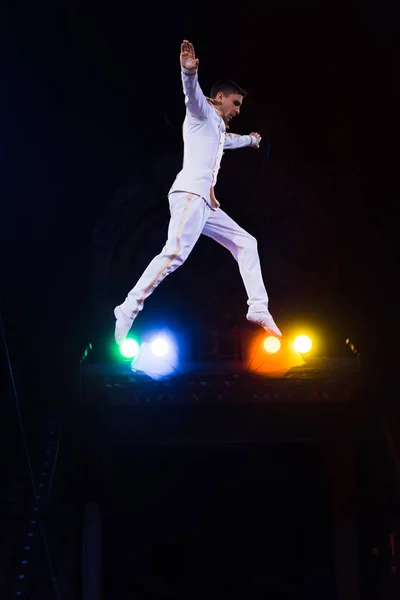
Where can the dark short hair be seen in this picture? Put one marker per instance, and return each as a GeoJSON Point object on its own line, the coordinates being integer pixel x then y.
{"type": "Point", "coordinates": [227, 87]}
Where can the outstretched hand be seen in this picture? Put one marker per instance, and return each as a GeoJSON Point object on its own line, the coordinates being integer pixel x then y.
{"type": "Point", "coordinates": [188, 57]}
{"type": "Point", "coordinates": [257, 138]}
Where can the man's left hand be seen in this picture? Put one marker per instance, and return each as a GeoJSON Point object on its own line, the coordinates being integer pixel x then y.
{"type": "Point", "coordinates": [256, 140]}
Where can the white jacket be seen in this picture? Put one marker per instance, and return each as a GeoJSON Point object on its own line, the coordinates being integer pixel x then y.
{"type": "Point", "coordinates": [205, 139]}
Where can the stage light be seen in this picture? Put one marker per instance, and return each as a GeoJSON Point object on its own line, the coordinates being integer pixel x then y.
{"type": "Point", "coordinates": [160, 347]}
{"type": "Point", "coordinates": [272, 344]}
{"type": "Point", "coordinates": [302, 344]}
{"type": "Point", "coordinates": [158, 355]}
{"type": "Point", "coordinates": [129, 348]}
{"type": "Point", "coordinates": [269, 355]}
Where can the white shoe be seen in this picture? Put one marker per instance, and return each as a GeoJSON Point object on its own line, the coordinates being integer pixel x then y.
{"type": "Point", "coordinates": [122, 325]}
{"type": "Point", "coordinates": [265, 321]}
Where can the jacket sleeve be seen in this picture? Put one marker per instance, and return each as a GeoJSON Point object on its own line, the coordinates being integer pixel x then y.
{"type": "Point", "coordinates": [195, 100]}
{"type": "Point", "coordinates": [234, 141]}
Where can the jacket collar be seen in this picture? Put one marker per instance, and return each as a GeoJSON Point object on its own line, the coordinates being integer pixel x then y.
{"type": "Point", "coordinates": [215, 106]}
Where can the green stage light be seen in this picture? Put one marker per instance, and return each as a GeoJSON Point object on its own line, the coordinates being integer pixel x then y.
{"type": "Point", "coordinates": [129, 348]}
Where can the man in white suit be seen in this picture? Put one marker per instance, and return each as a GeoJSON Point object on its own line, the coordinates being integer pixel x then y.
{"type": "Point", "coordinates": [193, 205]}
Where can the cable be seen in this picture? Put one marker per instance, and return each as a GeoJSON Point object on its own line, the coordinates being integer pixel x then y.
{"type": "Point", "coordinates": [52, 574]}
{"type": "Point", "coordinates": [28, 458]}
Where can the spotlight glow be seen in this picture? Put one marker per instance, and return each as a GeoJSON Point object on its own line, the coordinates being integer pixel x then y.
{"type": "Point", "coordinates": [158, 356]}
{"type": "Point", "coordinates": [302, 344]}
{"type": "Point", "coordinates": [272, 344]}
{"type": "Point", "coordinates": [129, 348]}
{"type": "Point", "coordinates": [160, 347]}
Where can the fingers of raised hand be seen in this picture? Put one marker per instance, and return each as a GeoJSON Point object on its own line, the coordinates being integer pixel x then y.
{"type": "Point", "coordinates": [188, 47]}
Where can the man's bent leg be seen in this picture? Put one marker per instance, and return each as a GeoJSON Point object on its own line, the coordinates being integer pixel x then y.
{"type": "Point", "coordinates": [188, 215]}
{"type": "Point", "coordinates": [243, 246]}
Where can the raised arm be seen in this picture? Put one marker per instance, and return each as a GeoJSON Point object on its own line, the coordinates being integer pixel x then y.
{"type": "Point", "coordinates": [234, 141]}
{"type": "Point", "coordinates": [195, 100]}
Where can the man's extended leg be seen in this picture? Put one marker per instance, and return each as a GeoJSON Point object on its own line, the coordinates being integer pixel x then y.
{"type": "Point", "coordinates": [243, 246]}
{"type": "Point", "coordinates": [188, 216]}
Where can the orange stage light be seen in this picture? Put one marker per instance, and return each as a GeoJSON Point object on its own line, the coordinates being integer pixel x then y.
{"type": "Point", "coordinates": [269, 356]}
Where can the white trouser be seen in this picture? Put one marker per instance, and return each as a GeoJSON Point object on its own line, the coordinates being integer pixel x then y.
{"type": "Point", "coordinates": [190, 217]}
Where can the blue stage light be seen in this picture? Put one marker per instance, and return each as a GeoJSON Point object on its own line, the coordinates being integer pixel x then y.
{"type": "Point", "coordinates": [158, 356]}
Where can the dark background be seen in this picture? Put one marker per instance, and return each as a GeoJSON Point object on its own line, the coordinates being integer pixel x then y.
{"type": "Point", "coordinates": [92, 110]}
{"type": "Point", "coordinates": [91, 116]}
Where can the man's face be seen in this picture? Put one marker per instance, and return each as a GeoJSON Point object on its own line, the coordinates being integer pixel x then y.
{"type": "Point", "coordinates": [229, 106]}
